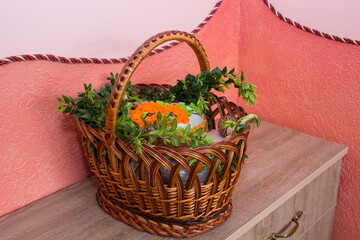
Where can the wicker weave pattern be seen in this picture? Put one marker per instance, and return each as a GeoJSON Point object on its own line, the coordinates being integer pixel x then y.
{"type": "Point", "coordinates": [160, 228]}
{"type": "Point", "coordinates": [132, 188]}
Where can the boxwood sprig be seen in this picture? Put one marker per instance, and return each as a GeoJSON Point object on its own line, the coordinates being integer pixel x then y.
{"type": "Point", "coordinates": [91, 106]}
{"type": "Point", "coordinates": [197, 89]}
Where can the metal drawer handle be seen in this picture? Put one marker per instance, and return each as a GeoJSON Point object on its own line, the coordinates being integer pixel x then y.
{"type": "Point", "coordinates": [295, 219]}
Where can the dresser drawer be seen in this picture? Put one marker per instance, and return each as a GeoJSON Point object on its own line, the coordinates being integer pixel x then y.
{"type": "Point", "coordinates": [314, 200]}
{"type": "Point", "coordinates": [322, 229]}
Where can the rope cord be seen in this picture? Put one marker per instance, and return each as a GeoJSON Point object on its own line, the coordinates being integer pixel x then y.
{"type": "Point", "coordinates": [310, 30]}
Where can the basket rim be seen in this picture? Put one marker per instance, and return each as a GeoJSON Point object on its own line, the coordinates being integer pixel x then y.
{"type": "Point", "coordinates": [244, 133]}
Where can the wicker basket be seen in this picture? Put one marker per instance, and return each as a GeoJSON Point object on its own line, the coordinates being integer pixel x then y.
{"type": "Point", "coordinates": [136, 193]}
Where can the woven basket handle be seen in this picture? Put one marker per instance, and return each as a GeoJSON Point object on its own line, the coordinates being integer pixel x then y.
{"type": "Point", "coordinates": [140, 54]}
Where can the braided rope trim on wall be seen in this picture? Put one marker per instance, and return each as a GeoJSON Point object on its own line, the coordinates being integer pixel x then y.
{"type": "Point", "coordinates": [54, 58]}
{"type": "Point", "coordinates": [310, 30]}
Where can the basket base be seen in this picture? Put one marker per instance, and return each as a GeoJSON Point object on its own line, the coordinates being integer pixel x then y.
{"type": "Point", "coordinates": [160, 228]}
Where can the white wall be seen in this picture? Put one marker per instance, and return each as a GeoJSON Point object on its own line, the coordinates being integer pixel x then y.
{"type": "Point", "coordinates": [89, 28]}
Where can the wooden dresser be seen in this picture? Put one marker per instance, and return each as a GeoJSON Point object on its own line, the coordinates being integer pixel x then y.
{"type": "Point", "coordinates": [287, 172]}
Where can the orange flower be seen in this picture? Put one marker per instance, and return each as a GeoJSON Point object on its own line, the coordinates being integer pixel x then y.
{"type": "Point", "coordinates": [150, 110]}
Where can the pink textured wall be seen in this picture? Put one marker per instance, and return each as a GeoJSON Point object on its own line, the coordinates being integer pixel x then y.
{"type": "Point", "coordinates": [40, 152]}
{"type": "Point", "coordinates": [311, 85]}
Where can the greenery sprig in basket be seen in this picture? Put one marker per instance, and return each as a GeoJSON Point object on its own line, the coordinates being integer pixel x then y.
{"type": "Point", "coordinates": [194, 91]}
{"type": "Point", "coordinates": [134, 135]}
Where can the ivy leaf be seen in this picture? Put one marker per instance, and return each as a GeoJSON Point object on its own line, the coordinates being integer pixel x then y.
{"type": "Point", "coordinates": [242, 77]}
{"type": "Point", "coordinates": [137, 149]}
{"type": "Point", "coordinates": [66, 99]}
{"type": "Point", "coordinates": [173, 125]}
{"type": "Point", "coordinates": [127, 128]}
{"type": "Point", "coordinates": [163, 127]}
{"type": "Point", "coordinates": [86, 116]}
{"type": "Point", "coordinates": [143, 120]}
{"type": "Point", "coordinates": [102, 91]}
{"type": "Point", "coordinates": [187, 128]}
{"type": "Point", "coordinates": [159, 116]}
{"type": "Point", "coordinates": [193, 106]}
{"type": "Point", "coordinates": [192, 162]}
{"type": "Point", "coordinates": [154, 132]}
{"type": "Point", "coordinates": [175, 141]}
{"type": "Point", "coordinates": [72, 101]}
{"type": "Point", "coordinates": [59, 106]}
{"type": "Point", "coordinates": [67, 109]}
{"type": "Point", "coordinates": [151, 139]}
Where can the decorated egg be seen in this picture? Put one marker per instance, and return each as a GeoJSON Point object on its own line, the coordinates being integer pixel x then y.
{"type": "Point", "coordinates": [221, 122]}
{"type": "Point", "coordinates": [197, 121]}
{"type": "Point", "coordinates": [184, 116]}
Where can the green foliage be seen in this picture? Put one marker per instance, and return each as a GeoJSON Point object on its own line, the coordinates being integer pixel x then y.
{"type": "Point", "coordinates": [246, 90]}
{"type": "Point", "coordinates": [196, 90]}
{"type": "Point", "coordinates": [164, 131]}
{"type": "Point", "coordinates": [240, 125]}
{"type": "Point", "coordinates": [91, 106]}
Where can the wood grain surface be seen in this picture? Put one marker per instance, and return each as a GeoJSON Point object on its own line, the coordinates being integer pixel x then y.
{"type": "Point", "coordinates": [281, 163]}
